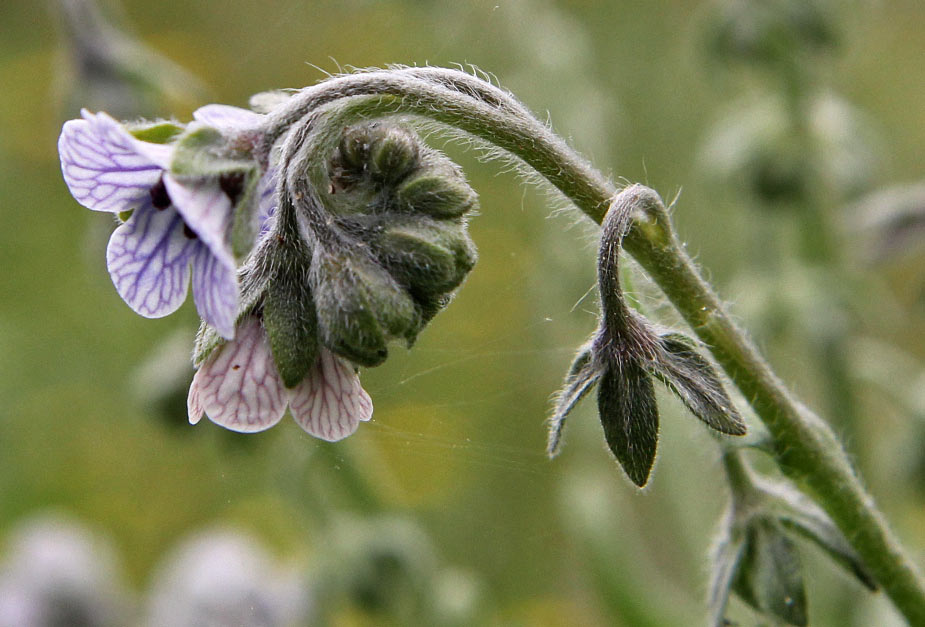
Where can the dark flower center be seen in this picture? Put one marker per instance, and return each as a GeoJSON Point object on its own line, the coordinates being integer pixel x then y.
{"type": "Point", "coordinates": [159, 197]}
{"type": "Point", "coordinates": [188, 232]}
{"type": "Point", "coordinates": [232, 184]}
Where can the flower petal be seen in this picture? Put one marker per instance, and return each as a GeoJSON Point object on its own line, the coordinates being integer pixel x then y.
{"type": "Point", "coordinates": [226, 118]}
{"type": "Point", "coordinates": [215, 291]}
{"type": "Point", "coordinates": [105, 168]}
{"type": "Point", "coordinates": [206, 209]}
{"type": "Point", "coordinates": [148, 259]}
{"type": "Point", "coordinates": [238, 386]}
{"type": "Point", "coordinates": [194, 403]}
{"type": "Point", "coordinates": [330, 403]}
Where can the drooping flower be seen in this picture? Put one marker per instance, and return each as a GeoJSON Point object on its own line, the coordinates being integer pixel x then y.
{"type": "Point", "coordinates": [626, 353]}
{"type": "Point", "coordinates": [178, 227]}
{"type": "Point", "coordinates": [239, 387]}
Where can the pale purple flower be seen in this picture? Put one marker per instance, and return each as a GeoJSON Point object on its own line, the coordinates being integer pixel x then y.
{"type": "Point", "coordinates": [178, 228]}
{"type": "Point", "coordinates": [239, 387]}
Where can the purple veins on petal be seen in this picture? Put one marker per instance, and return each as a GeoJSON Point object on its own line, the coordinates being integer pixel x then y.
{"type": "Point", "coordinates": [215, 291]}
{"type": "Point", "coordinates": [238, 386]}
{"type": "Point", "coordinates": [330, 403]}
{"type": "Point", "coordinates": [149, 261]}
{"type": "Point", "coordinates": [105, 168]}
{"type": "Point", "coordinates": [206, 209]}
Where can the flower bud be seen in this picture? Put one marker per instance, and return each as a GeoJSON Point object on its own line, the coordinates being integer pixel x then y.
{"type": "Point", "coordinates": [360, 307]}
{"type": "Point", "coordinates": [438, 191]}
{"type": "Point", "coordinates": [393, 154]}
{"type": "Point", "coordinates": [426, 256]}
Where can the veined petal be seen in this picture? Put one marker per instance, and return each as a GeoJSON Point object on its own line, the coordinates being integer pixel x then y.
{"type": "Point", "coordinates": [215, 291]}
{"type": "Point", "coordinates": [238, 386]}
{"type": "Point", "coordinates": [105, 168]}
{"type": "Point", "coordinates": [206, 209]}
{"type": "Point", "coordinates": [226, 118]}
{"type": "Point", "coordinates": [149, 258]}
{"type": "Point", "coordinates": [330, 403]}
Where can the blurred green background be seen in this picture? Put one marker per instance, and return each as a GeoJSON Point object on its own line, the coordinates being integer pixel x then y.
{"type": "Point", "coordinates": [92, 415]}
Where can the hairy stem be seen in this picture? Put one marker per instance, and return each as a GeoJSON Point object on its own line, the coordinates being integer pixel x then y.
{"type": "Point", "coordinates": [805, 447]}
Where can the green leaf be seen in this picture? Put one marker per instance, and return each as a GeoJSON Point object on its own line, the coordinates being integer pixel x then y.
{"type": "Point", "coordinates": [629, 415]}
{"type": "Point", "coordinates": [204, 151]}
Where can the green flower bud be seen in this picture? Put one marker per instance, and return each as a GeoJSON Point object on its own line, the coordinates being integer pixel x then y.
{"type": "Point", "coordinates": [427, 257]}
{"type": "Point", "coordinates": [393, 153]}
{"type": "Point", "coordinates": [439, 191]}
{"type": "Point", "coordinates": [360, 307]}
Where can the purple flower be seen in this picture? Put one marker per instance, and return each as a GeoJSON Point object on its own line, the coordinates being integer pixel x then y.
{"type": "Point", "coordinates": [239, 387]}
{"type": "Point", "coordinates": [179, 226]}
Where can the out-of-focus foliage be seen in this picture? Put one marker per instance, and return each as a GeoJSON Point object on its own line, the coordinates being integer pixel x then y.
{"type": "Point", "coordinates": [91, 396]}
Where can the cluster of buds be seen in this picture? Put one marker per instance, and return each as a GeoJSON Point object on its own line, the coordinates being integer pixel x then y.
{"type": "Point", "coordinates": [296, 291]}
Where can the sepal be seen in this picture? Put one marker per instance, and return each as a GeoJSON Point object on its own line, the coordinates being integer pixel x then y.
{"type": "Point", "coordinates": [289, 319]}
{"type": "Point", "coordinates": [203, 151]}
{"type": "Point", "coordinates": [581, 378]}
{"type": "Point", "coordinates": [769, 576]}
{"type": "Point", "coordinates": [694, 380]}
{"type": "Point", "coordinates": [161, 132]}
{"type": "Point", "coordinates": [245, 221]}
{"type": "Point", "coordinates": [629, 415]}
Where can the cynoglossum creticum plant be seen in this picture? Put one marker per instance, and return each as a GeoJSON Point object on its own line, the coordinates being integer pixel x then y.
{"type": "Point", "coordinates": [298, 142]}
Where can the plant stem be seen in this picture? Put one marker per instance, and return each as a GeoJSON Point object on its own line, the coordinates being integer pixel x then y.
{"type": "Point", "coordinates": [804, 446]}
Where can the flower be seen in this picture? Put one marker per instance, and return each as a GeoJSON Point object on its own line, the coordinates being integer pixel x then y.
{"type": "Point", "coordinates": [239, 387]}
{"type": "Point", "coordinates": [626, 353]}
{"type": "Point", "coordinates": [176, 222]}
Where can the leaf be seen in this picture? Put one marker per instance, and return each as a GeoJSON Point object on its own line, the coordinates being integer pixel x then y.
{"type": "Point", "coordinates": [692, 378]}
{"type": "Point", "coordinates": [629, 415]}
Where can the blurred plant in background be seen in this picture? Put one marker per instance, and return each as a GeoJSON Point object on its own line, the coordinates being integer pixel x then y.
{"type": "Point", "coordinates": [453, 458]}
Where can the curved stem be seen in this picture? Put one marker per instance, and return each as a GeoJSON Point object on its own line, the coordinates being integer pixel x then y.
{"type": "Point", "coordinates": [804, 446]}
